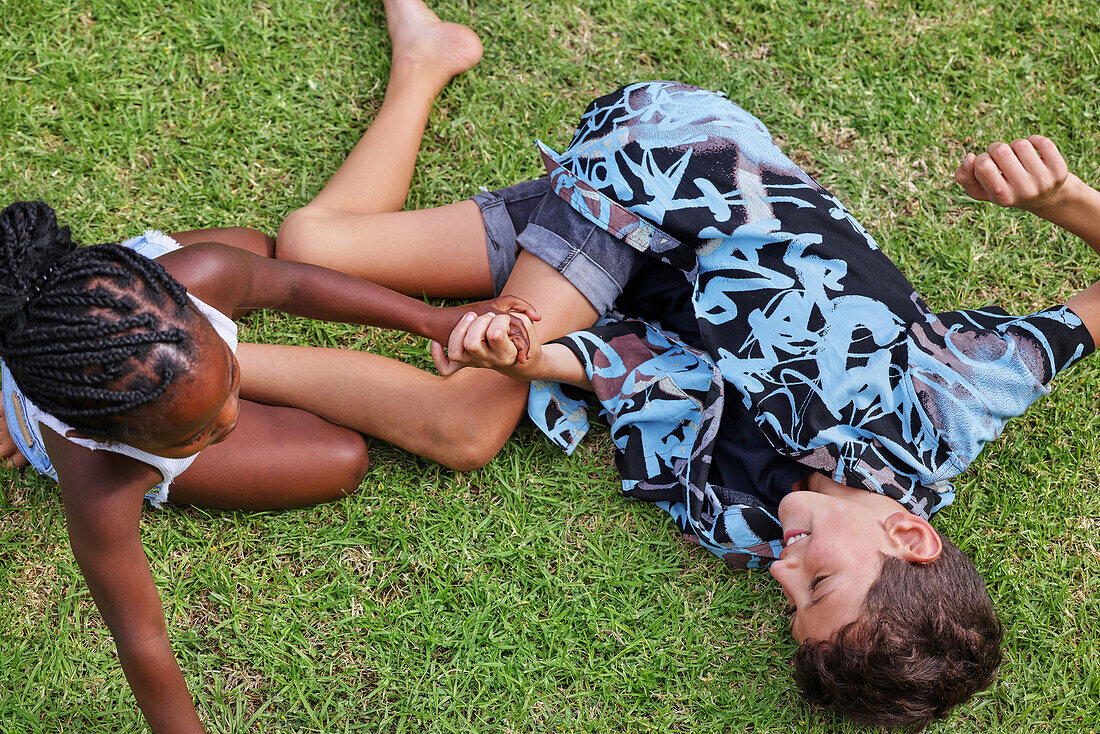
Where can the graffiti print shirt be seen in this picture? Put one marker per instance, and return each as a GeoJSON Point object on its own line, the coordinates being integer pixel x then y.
{"type": "Point", "coordinates": [800, 316]}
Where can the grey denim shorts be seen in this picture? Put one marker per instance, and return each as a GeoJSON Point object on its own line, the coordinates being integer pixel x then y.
{"type": "Point", "coordinates": [529, 215]}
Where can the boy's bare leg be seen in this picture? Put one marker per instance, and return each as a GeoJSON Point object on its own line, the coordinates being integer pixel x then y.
{"type": "Point", "coordinates": [437, 252]}
{"type": "Point", "coordinates": [353, 224]}
{"type": "Point", "coordinates": [427, 53]}
{"type": "Point", "coordinates": [460, 421]}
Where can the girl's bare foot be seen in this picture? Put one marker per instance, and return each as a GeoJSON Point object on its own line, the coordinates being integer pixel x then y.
{"type": "Point", "coordinates": [428, 47]}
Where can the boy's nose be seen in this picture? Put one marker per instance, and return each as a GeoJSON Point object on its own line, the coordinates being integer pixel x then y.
{"type": "Point", "coordinates": [782, 568]}
{"type": "Point", "coordinates": [778, 572]}
{"type": "Point", "coordinates": [787, 556]}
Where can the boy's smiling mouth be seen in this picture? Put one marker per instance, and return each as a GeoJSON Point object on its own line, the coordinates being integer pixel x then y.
{"type": "Point", "coordinates": [793, 536]}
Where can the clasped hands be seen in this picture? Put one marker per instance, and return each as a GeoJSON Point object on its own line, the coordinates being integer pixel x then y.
{"type": "Point", "coordinates": [500, 335]}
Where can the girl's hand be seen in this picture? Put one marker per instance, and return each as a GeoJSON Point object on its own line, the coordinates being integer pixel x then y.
{"type": "Point", "coordinates": [1027, 174]}
{"type": "Point", "coordinates": [10, 457]}
{"type": "Point", "coordinates": [503, 342]}
{"type": "Point", "coordinates": [452, 315]}
{"type": "Point", "coordinates": [501, 304]}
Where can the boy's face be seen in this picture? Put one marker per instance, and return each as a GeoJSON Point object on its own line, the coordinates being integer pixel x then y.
{"type": "Point", "coordinates": [834, 539]}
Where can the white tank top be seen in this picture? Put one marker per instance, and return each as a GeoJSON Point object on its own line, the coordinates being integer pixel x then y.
{"type": "Point", "coordinates": [24, 419]}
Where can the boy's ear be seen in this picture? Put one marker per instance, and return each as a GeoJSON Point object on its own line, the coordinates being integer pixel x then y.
{"type": "Point", "coordinates": [916, 540]}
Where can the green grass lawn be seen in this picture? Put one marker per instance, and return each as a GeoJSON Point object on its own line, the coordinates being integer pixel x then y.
{"type": "Point", "coordinates": [529, 596]}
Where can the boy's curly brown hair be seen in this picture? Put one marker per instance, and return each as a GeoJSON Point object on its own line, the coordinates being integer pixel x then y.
{"type": "Point", "coordinates": [927, 640]}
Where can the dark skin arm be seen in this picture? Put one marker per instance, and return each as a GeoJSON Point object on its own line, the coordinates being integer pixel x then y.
{"type": "Point", "coordinates": [231, 279]}
{"type": "Point", "coordinates": [277, 458]}
{"type": "Point", "coordinates": [103, 495]}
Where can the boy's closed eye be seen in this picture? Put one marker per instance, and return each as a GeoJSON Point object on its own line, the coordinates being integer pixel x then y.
{"type": "Point", "coordinates": [818, 580]}
{"type": "Point", "coordinates": [790, 609]}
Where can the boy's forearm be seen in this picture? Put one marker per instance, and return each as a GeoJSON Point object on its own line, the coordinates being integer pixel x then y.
{"type": "Point", "coordinates": [1076, 210]}
{"type": "Point", "coordinates": [555, 363]}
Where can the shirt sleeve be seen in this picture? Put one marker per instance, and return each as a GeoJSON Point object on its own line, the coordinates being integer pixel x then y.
{"type": "Point", "coordinates": [608, 351]}
{"type": "Point", "coordinates": [1048, 341]}
{"type": "Point", "coordinates": [664, 402]}
{"type": "Point", "coordinates": [972, 371]}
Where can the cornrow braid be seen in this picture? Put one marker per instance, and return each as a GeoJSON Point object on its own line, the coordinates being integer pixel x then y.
{"type": "Point", "coordinates": [78, 324]}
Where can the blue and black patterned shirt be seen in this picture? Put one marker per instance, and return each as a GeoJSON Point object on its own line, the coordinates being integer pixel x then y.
{"type": "Point", "coordinates": [800, 317]}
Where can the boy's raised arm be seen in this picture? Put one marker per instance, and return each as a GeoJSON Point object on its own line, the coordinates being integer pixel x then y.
{"type": "Point", "coordinates": [1032, 175]}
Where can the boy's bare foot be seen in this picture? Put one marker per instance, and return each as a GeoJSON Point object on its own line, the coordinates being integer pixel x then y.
{"type": "Point", "coordinates": [424, 44]}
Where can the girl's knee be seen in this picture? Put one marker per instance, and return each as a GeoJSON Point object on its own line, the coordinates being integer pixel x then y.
{"type": "Point", "coordinates": [353, 458]}
{"type": "Point", "coordinates": [245, 238]}
{"type": "Point", "coordinates": [250, 239]}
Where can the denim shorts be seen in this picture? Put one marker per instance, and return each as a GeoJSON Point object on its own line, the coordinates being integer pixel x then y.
{"type": "Point", "coordinates": [531, 216]}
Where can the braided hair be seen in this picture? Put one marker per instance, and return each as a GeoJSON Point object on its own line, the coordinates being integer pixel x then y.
{"type": "Point", "coordinates": [88, 333]}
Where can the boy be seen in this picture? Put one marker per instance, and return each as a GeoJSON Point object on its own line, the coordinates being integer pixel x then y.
{"type": "Point", "coordinates": [831, 357]}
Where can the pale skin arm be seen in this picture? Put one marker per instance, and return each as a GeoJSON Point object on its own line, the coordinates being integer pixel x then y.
{"type": "Point", "coordinates": [103, 495]}
{"type": "Point", "coordinates": [1031, 174]}
{"type": "Point", "coordinates": [484, 341]}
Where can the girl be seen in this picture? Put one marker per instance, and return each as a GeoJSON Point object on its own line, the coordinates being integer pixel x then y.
{"type": "Point", "coordinates": [122, 378]}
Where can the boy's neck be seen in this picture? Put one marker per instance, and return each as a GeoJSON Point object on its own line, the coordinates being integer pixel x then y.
{"type": "Point", "coordinates": [814, 482]}
{"type": "Point", "coordinates": [818, 482]}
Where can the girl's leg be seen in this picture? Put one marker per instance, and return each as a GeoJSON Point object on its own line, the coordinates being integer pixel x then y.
{"type": "Point", "coordinates": [460, 421]}
{"type": "Point", "coordinates": [354, 224]}
{"type": "Point", "coordinates": [276, 458]}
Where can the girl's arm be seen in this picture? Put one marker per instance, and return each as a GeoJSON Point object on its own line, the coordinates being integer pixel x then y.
{"type": "Point", "coordinates": [231, 279]}
{"type": "Point", "coordinates": [1032, 175]}
{"type": "Point", "coordinates": [103, 495]}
